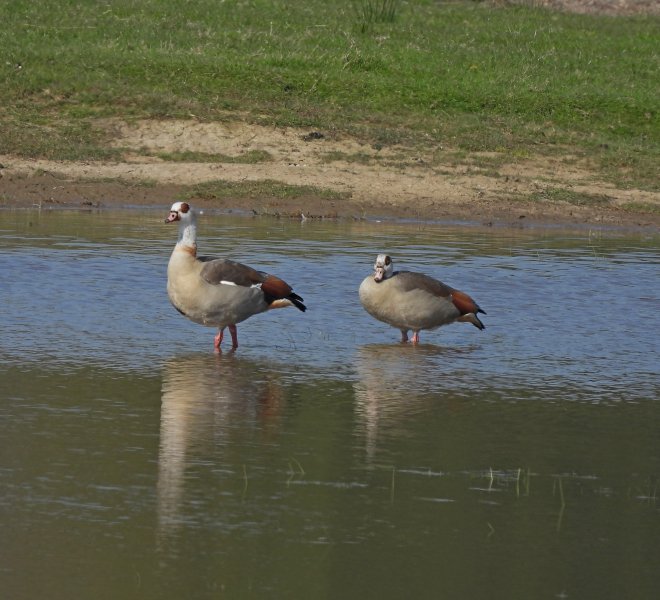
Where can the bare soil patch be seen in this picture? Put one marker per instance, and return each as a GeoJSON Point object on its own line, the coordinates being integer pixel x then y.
{"type": "Point", "coordinates": [603, 7]}
{"type": "Point", "coordinates": [370, 182]}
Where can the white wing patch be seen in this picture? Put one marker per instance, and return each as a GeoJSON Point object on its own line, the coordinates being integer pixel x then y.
{"type": "Point", "coordinates": [225, 282]}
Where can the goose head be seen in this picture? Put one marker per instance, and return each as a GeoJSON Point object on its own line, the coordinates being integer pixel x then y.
{"type": "Point", "coordinates": [183, 213]}
{"type": "Point", "coordinates": [180, 211]}
{"type": "Point", "coordinates": [383, 267]}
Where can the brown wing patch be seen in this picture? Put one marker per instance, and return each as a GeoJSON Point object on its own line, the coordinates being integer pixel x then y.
{"type": "Point", "coordinates": [463, 302]}
{"type": "Point", "coordinates": [275, 287]}
{"type": "Point", "coordinates": [278, 293]}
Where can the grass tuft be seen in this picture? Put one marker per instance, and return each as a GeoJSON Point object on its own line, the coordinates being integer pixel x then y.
{"type": "Point", "coordinates": [370, 12]}
{"type": "Point", "coordinates": [246, 158]}
{"type": "Point", "coordinates": [559, 194]}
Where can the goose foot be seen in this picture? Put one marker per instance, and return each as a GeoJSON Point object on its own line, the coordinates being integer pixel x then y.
{"type": "Point", "coordinates": [404, 336]}
{"type": "Point", "coordinates": [415, 337]}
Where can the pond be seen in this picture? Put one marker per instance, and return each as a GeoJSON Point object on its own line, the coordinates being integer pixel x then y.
{"type": "Point", "coordinates": [325, 459]}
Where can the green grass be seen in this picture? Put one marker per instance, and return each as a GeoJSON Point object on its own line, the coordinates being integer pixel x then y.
{"type": "Point", "coordinates": [264, 189]}
{"type": "Point", "coordinates": [250, 157]}
{"type": "Point", "coordinates": [471, 76]}
{"type": "Point", "coordinates": [642, 207]}
{"type": "Point", "coordinates": [559, 194]}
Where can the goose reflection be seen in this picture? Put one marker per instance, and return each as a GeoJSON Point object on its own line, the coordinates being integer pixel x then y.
{"type": "Point", "coordinates": [207, 399]}
{"type": "Point", "coordinates": [395, 381]}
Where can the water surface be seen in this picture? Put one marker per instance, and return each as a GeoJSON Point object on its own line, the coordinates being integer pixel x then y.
{"type": "Point", "coordinates": [325, 459]}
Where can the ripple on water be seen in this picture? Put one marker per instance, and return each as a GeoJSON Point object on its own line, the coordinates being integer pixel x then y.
{"type": "Point", "coordinates": [568, 316]}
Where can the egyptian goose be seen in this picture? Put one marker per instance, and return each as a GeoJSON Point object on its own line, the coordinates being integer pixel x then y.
{"type": "Point", "coordinates": [414, 301]}
{"type": "Point", "coordinates": [218, 292]}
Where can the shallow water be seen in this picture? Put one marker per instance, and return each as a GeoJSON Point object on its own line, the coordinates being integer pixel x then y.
{"type": "Point", "coordinates": [324, 459]}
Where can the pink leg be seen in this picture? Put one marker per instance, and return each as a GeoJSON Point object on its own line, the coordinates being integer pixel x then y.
{"type": "Point", "coordinates": [415, 337]}
{"type": "Point", "coordinates": [217, 340]}
{"type": "Point", "coordinates": [234, 336]}
{"type": "Point", "coordinates": [404, 336]}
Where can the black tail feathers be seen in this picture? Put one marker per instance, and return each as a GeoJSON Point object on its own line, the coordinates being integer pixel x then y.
{"type": "Point", "coordinates": [296, 300]}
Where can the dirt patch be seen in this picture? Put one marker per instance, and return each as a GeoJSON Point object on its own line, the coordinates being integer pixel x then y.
{"type": "Point", "coordinates": [602, 7]}
{"type": "Point", "coordinates": [368, 182]}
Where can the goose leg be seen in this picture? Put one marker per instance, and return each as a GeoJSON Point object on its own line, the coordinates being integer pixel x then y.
{"type": "Point", "coordinates": [217, 340]}
{"type": "Point", "coordinates": [404, 336]}
{"type": "Point", "coordinates": [415, 337]}
{"type": "Point", "coordinates": [234, 336]}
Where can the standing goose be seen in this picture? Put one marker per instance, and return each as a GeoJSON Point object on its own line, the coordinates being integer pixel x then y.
{"type": "Point", "coordinates": [414, 301]}
{"type": "Point", "coordinates": [218, 292]}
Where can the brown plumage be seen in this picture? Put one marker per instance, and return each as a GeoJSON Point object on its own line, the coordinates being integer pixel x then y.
{"type": "Point", "coordinates": [414, 301]}
{"type": "Point", "coordinates": [215, 291]}
{"type": "Point", "coordinates": [217, 271]}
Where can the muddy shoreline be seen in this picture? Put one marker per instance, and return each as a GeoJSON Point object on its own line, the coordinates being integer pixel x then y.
{"type": "Point", "coordinates": [362, 182]}
{"type": "Point", "coordinates": [51, 192]}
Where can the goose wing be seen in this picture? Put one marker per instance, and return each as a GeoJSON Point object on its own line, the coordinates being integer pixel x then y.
{"type": "Point", "coordinates": [228, 272]}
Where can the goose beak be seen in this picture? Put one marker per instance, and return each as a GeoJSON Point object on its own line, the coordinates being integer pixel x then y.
{"type": "Point", "coordinates": [379, 273]}
{"type": "Point", "coordinates": [173, 216]}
